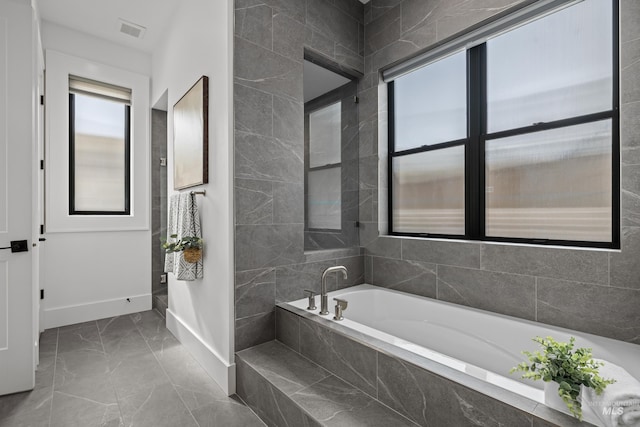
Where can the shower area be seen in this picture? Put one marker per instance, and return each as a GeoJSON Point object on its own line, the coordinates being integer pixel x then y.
{"type": "Point", "coordinates": [158, 208]}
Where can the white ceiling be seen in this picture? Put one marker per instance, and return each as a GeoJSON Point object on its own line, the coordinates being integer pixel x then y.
{"type": "Point", "coordinates": [100, 18]}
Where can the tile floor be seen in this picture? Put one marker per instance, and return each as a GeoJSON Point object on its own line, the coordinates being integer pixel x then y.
{"type": "Point", "coordinates": [124, 371]}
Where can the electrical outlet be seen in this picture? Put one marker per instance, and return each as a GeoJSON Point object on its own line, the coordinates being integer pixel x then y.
{"type": "Point", "coordinates": [163, 278]}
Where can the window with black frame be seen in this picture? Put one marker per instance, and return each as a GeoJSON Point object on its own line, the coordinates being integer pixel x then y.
{"type": "Point", "coordinates": [514, 139]}
{"type": "Point", "coordinates": [99, 148]}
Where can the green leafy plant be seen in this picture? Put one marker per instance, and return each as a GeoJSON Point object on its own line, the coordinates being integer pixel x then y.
{"type": "Point", "coordinates": [179, 245]}
{"type": "Point", "coordinates": [569, 368]}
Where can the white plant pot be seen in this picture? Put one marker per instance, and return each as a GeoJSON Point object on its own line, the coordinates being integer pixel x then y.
{"type": "Point", "coordinates": [552, 399]}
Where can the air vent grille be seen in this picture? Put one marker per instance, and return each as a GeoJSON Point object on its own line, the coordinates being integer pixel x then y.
{"type": "Point", "coordinates": [131, 29]}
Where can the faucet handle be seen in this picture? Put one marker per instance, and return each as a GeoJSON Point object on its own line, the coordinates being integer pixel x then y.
{"type": "Point", "coordinates": [341, 305]}
{"type": "Point", "coordinates": [312, 299]}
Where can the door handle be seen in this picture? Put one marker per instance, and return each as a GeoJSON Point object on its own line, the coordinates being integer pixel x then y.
{"type": "Point", "coordinates": [17, 246]}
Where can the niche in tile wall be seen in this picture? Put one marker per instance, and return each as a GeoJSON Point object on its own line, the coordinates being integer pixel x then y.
{"type": "Point", "coordinates": [330, 158]}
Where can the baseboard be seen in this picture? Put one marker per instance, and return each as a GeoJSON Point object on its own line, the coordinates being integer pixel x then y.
{"type": "Point", "coordinates": [62, 316]}
{"type": "Point", "coordinates": [221, 372]}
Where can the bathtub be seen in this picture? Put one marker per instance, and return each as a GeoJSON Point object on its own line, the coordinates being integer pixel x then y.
{"type": "Point", "coordinates": [478, 343]}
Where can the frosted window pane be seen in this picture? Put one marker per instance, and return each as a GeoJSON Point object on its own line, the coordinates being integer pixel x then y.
{"type": "Point", "coordinates": [324, 135]}
{"type": "Point", "coordinates": [428, 192]}
{"type": "Point", "coordinates": [324, 199]}
{"type": "Point", "coordinates": [431, 104]}
{"type": "Point", "coordinates": [557, 67]}
{"type": "Point", "coordinates": [99, 155]}
{"type": "Point", "coordinates": [551, 185]}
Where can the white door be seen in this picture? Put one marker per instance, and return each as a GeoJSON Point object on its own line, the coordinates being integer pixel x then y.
{"type": "Point", "coordinates": [17, 341]}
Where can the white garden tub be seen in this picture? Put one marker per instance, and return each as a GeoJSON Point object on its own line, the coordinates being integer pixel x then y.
{"type": "Point", "coordinates": [479, 343]}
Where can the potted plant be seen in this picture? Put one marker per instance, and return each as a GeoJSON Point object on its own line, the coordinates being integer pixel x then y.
{"type": "Point", "coordinates": [190, 246]}
{"type": "Point", "coordinates": [568, 368]}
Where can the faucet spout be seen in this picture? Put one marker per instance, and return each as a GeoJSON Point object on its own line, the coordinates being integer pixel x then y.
{"type": "Point", "coordinates": [324, 299]}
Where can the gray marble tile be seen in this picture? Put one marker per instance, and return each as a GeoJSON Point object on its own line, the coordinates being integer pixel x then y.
{"type": "Point", "coordinates": [630, 209]}
{"type": "Point", "coordinates": [630, 83]}
{"type": "Point", "coordinates": [391, 53]}
{"type": "Point", "coordinates": [349, 60]}
{"type": "Point", "coordinates": [335, 403]}
{"type": "Point", "coordinates": [156, 405]}
{"type": "Point", "coordinates": [383, 30]}
{"type": "Point", "coordinates": [255, 292]}
{"type": "Point", "coordinates": [368, 269]}
{"type": "Point", "coordinates": [288, 37]}
{"type": "Point", "coordinates": [368, 233]}
{"type": "Point", "coordinates": [255, 24]}
{"type": "Point", "coordinates": [270, 404]}
{"type": "Point", "coordinates": [567, 264]}
{"type": "Point", "coordinates": [553, 418]}
{"type": "Point", "coordinates": [265, 158]}
{"type": "Point", "coordinates": [288, 328]}
{"type": "Point", "coordinates": [380, 7]}
{"type": "Point", "coordinates": [629, 20]}
{"type": "Point", "coordinates": [431, 400]}
{"type": "Point", "coordinates": [292, 280]}
{"type": "Point", "coordinates": [253, 110]}
{"type": "Point", "coordinates": [355, 271]}
{"type": "Point", "coordinates": [17, 404]}
{"type": "Point", "coordinates": [318, 43]}
{"type": "Point", "coordinates": [72, 411]}
{"type": "Point", "coordinates": [465, 14]}
{"type": "Point", "coordinates": [228, 412]}
{"type": "Point", "coordinates": [253, 201]}
{"type": "Point", "coordinates": [282, 367]}
{"type": "Point", "coordinates": [589, 308]}
{"type": "Point", "coordinates": [503, 293]}
{"type": "Point", "coordinates": [387, 247]}
{"type": "Point", "coordinates": [365, 211]}
{"type": "Point", "coordinates": [625, 268]}
{"type": "Point", "coordinates": [288, 120]}
{"type": "Point", "coordinates": [194, 386]}
{"type": "Point", "coordinates": [325, 18]}
{"type": "Point", "coordinates": [94, 387]}
{"type": "Point", "coordinates": [288, 203]}
{"type": "Point", "coordinates": [347, 359]}
{"type": "Point", "coordinates": [292, 8]}
{"type": "Point", "coordinates": [459, 254]}
{"type": "Point", "coordinates": [414, 277]}
{"type": "Point", "coordinates": [260, 68]}
{"type": "Point", "coordinates": [353, 8]}
{"type": "Point", "coordinates": [419, 14]}
{"type": "Point", "coordinates": [136, 374]}
{"type": "Point", "coordinates": [74, 365]}
{"type": "Point", "coordinates": [254, 330]}
{"type": "Point", "coordinates": [152, 327]}
{"type": "Point", "coordinates": [37, 418]}
{"type": "Point", "coordinates": [259, 246]}
{"type": "Point", "coordinates": [84, 337]}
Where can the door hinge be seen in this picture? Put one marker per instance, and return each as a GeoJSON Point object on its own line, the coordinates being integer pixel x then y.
{"type": "Point", "coordinates": [41, 99]}
{"type": "Point", "coordinates": [41, 228]}
{"type": "Point", "coordinates": [356, 100]}
{"type": "Point", "coordinates": [41, 293]}
{"type": "Point", "coordinates": [41, 164]}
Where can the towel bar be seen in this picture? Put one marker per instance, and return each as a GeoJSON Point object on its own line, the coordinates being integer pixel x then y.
{"type": "Point", "coordinates": [203, 192]}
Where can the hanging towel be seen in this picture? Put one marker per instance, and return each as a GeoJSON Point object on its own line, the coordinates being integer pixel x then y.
{"type": "Point", "coordinates": [183, 220]}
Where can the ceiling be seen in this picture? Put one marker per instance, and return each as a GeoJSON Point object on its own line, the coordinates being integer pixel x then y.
{"type": "Point", "coordinates": [100, 18]}
{"type": "Point", "coordinates": [318, 81]}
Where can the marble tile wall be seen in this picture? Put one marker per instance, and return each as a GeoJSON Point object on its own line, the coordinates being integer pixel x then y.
{"type": "Point", "coordinates": [589, 290]}
{"type": "Point", "coordinates": [271, 37]}
{"type": "Point", "coordinates": [158, 197]}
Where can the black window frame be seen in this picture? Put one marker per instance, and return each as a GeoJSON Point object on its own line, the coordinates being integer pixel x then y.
{"type": "Point", "coordinates": [477, 136]}
{"type": "Point", "coordinates": [127, 163]}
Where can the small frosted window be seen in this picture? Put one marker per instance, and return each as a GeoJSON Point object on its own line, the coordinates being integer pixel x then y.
{"type": "Point", "coordinates": [551, 185]}
{"type": "Point", "coordinates": [324, 199]}
{"type": "Point", "coordinates": [431, 104]}
{"type": "Point", "coordinates": [99, 158]}
{"type": "Point", "coordinates": [553, 68]}
{"type": "Point", "coordinates": [324, 135]}
{"type": "Point", "coordinates": [428, 192]}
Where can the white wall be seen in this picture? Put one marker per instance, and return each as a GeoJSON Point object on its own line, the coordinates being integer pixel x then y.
{"type": "Point", "coordinates": [90, 266]}
{"type": "Point", "coordinates": [199, 42]}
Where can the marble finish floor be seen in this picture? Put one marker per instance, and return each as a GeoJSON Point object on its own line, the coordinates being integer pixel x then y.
{"type": "Point", "coordinates": [123, 371]}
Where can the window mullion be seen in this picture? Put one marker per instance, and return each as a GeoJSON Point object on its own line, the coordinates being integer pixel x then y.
{"type": "Point", "coordinates": [474, 150]}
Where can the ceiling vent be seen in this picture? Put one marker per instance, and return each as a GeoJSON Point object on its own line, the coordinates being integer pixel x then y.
{"type": "Point", "coordinates": [131, 29]}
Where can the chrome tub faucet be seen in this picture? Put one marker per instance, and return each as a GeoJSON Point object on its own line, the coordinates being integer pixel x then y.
{"type": "Point", "coordinates": [324, 300]}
